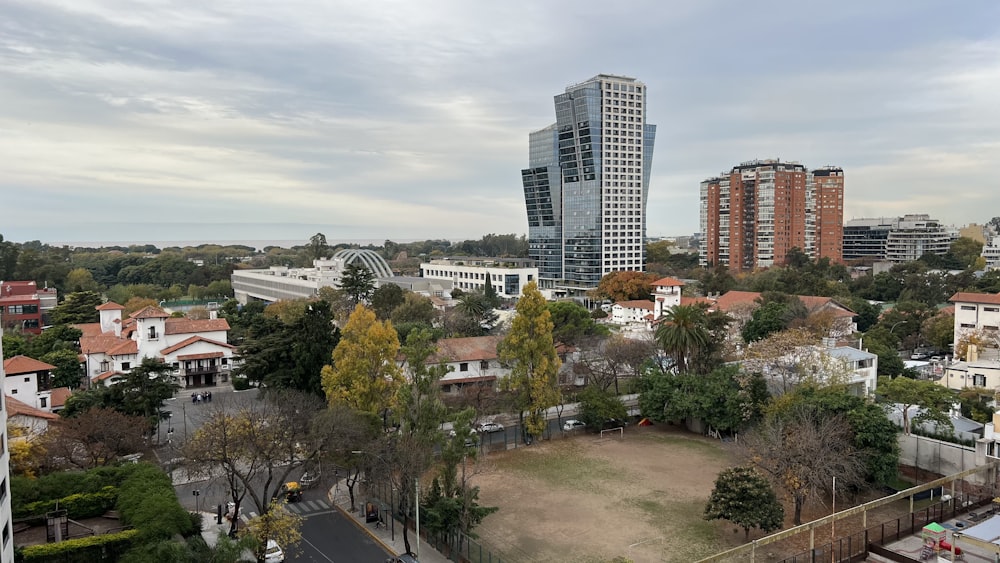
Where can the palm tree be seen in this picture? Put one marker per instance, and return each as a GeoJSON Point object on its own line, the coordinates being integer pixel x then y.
{"type": "Point", "coordinates": [683, 334]}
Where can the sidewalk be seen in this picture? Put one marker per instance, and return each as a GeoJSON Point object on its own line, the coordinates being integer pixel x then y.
{"type": "Point", "coordinates": [339, 498]}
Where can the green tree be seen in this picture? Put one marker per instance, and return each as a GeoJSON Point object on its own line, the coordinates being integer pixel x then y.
{"type": "Point", "coordinates": [867, 313]}
{"type": "Point", "coordinates": [659, 251]}
{"type": "Point", "coordinates": [78, 307]}
{"type": "Point", "coordinates": [725, 399]}
{"type": "Point", "coordinates": [931, 400]}
{"type": "Point", "coordinates": [683, 335]}
{"type": "Point", "coordinates": [57, 338]}
{"type": "Point", "coordinates": [80, 279]}
{"type": "Point", "coordinates": [964, 251]}
{"type": "Point", "coordinates": [744, 497]}
{"type": "Point", "coordinates": [9, 253]}
{"type": "Point", "coordinates": [364, 375]}
{"type": "Point", "coordinates": [68, 372]}
{"type": "Point", "coordinates": [141, 392]}
{"type": "Point", "coordinates": [358, 282]}
{"type": "Point", "coordinates": [939, 330]}
{"type": "Point", "coordinates": [385, 299]}
{"type": "Point", "coordinates": [598, 406]}
{"type": "Point", "coordinates": [14, 344]}
{"type": "Point", "coordinates": [530, 352]}
{"type": "Point", "coordinates": [415, 309]}
{"type": "Point", "coordinates": [478, 309]}
{"type": "Point", "coordinates": [318, 248]}
{"type": "Point", "coordinates": [572, 323]}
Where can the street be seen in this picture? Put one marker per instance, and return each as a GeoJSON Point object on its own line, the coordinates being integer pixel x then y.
{"type": "Point", "coordinates": [327, 535]}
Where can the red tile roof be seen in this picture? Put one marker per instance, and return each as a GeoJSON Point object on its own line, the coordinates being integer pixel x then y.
{"type": "Point", "coordinates": [638, 304]}
{"type": "Point", "coordinates": [812, 303]}
{"type": "Point", "coordinates": [110, 306]}
{"type": "Point", "coordinates": [696, 300]}
{"type": "Point", "coordinates": [467, 349]}
{"type": "Point", "coordinates": [89, 329]}
{"type": "Point", "coordinates": [189, 341]}
{"type": "Point", "coordinates": [202, 356]}
{"type": "Point", "coordinates": [15, 408]}
{"type": "Point", "coordinates": [98, 344]}
{"type": "Point", "coordinates": [668, 282]}
{"type": "Point", "coordinates": [108, 374]}
{"type": "Point", "coordinates": [187, 326]}
{"type": "Point", "coordinates": [982, 298]}
{"type": "Point", "coordinates": [58, 397]}
{"type": "Point", "coordinates": [23, 364]}
{"type": "Point", "coordinates": [124, 348]}
{"type": "Point", "coordinates": [150, 312]}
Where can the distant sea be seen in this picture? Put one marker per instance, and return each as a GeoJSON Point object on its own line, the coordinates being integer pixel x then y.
{"type": "Point", "coordinates": [258, 244]}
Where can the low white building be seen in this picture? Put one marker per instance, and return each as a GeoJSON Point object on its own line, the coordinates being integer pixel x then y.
{"type": "Point", "coordinates": [279, 283]}
{"type": "Point", "coordinates": [473, 361]}
{"type": "Point", "coordinates": [822, 365]}
{"type": "Point", "coordinates": [974, 371]}
{"type": "Point", "coordinates": [197, 350]}
{"type": "Point", "coordinates": [30, 382]}
{"type": "Point", "coordinates": [645, 314]}
{"type": "Point", "coordinates": [508, 276]}
{"type": "Point", "coordinates": [977, 312]}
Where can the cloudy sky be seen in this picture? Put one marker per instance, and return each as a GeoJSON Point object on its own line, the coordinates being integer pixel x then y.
{"type": "Point", "coordinates": [154, 120]}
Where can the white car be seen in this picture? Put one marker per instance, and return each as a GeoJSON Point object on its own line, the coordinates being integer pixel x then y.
{"type": "Point", "coordinates": [273, 553]}
{"type": "Point", "coordinates": [491, 427]}
{"type": "Point", "coordinates": [573, 424]}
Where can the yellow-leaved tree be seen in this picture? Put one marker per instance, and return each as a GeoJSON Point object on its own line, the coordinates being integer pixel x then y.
{"type": "Point", "coordinates": [530, 352]}
{"type": "Point", "coordinates": [278, 525]}
{"type": "Point", "coordinates": [365, 375]}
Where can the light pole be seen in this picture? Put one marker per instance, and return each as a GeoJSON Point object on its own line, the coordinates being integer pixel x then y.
{"type": "Point", "coordinates": [416, 482]}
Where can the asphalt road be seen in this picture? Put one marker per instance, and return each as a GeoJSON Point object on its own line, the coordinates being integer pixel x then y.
{"type": "Point", "coordinates": [327, 535]}
{"type": "Point", "coordinates": [330, 537]}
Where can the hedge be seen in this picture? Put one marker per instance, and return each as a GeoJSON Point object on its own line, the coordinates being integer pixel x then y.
{"type": "Point", "coordinates": [91, 549]}
{"type": "Point", "coordinates": [25, 490]}
{"type": "Point", "coordinates": [78, 506]}
{"type": "Point", "coordinates": [147, 501]}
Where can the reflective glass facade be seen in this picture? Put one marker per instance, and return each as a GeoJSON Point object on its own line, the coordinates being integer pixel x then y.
{"type": "Point", "coordinates": [587, 183]}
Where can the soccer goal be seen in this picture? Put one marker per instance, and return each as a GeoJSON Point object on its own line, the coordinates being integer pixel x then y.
{"type": "Point", "coordinates": [620, 431]}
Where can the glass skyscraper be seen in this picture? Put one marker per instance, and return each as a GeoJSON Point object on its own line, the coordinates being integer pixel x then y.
{"type": "Point", "coordinates": [587, 184]}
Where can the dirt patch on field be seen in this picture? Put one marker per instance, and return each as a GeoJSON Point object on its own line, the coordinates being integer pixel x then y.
{"type": "Point", "coordinates": [587, 499]}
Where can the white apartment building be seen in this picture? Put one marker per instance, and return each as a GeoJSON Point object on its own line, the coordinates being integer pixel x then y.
{"type": "Point", "coordinates": [976, 312]}
{"type": "Point", "coordinates": [912, 236]}
{"type": "Point", "coordinates": [508, 276]}
{"type": "Point", "coordinates": [6, 516]}
{"type": "Point", "coordinates": [991, 253]}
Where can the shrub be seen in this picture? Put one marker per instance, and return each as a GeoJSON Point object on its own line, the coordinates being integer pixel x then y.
{"type": "Point", "coordinates": [241, 383]}
{"type": "Point", "coordinates": [147, 501]}
{"type": "Point", "coordinates": [81, 505]}
{"type": "Point", "coordinates": [107, 547]}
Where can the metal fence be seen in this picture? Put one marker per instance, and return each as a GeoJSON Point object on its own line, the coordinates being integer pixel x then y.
{"type": "Point", "coordinates": [855, 547]}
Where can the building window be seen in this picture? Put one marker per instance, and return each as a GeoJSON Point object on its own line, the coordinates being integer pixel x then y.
{"type": "Point", "coordinates": [968, 307]}
{"type": "Point", "coordinates": [991, 309]}
{"type": "Point", "coordinates": [27, 380]}
{"type": "Point", "coordinates": [979, 380]}
{"type": "Point", "coordinates": [152, 333]}
{"type": "Point", "coordinates": [484, 365]}
{"type": "Point", "coordinates": [464, 366]}
{"type": "Point", "coordinates": [126, 366]}
{"type": "Point", "coordinates": [43, 402]}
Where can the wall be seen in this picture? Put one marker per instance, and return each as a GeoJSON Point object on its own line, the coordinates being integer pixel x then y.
{"type": "Point", "coordinates": [935, 456]}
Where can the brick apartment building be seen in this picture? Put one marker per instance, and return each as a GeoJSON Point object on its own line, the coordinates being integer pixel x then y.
{"type": "Point", "coordinates": [23, 306]}
{"type": "Point", "coordinates": [752, 216]}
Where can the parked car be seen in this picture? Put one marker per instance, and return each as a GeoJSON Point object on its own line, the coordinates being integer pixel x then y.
{"type": "Point", "coordinates": [491, 427]}
{"type": "Point", "coordinates": [273, 553]}
{"type": "Point", "coordinates": [573, 424]}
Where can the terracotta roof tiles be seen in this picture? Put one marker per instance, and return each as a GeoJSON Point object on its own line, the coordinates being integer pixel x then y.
{"type": "Point", "coordinates": [189, 341]}
{"type": "Point", "coordinates": [471, 348]}
{"type": "Point", "coordinates": [637, 304]}
{"type": "Point", "coordinates": [150, 312]}
{"type": "Point", "coordinates": [668, 282]}
{"type": "Point", "coordinates": [23, 364]}
{"type": "Point", "coordinates": [110, 306]}
{"type": "Point", "coordinates": [15, 408]}
{"type": "Point", "coordinates": [186, 326]}
{"type": "Point", "coordinates": [982, 298]}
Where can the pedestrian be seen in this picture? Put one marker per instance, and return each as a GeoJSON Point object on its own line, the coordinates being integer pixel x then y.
{"type": "Point", "coordinates": [209, 396]}
{"type": "Point", "coordinates": [194, 397]}
{"type": "Point", "coordinates": [197, 397]}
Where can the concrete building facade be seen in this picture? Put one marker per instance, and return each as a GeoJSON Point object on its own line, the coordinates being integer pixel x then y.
{"type": "Point", "coordinates": [508, 276]}
{"type": "Point", "coordinates": [753, 215]}
{"type": "Point", "coordinates": [587, 185]}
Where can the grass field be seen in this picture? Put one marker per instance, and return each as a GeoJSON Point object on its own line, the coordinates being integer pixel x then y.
{"type": "Point", "coordinates": [586, 499]}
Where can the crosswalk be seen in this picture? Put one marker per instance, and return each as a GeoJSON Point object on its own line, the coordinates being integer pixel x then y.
{"type": "Point", "coordinates": [302, 508]}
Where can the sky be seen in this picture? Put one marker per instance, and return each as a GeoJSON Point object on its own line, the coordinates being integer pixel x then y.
{"type": "Point", "coordinates": [140, 120]}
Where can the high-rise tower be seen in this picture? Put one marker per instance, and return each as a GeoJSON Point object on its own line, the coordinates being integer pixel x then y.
{"type": "Point", "coordinates": [587, 184]}
{"type": "Point", "coordinates": [752, 216]}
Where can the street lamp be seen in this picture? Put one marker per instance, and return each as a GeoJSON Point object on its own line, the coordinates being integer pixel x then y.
{"type": "Point", "coordinates": [197, 497]}
{"type": "Point", "coordinates": [897, 324]}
